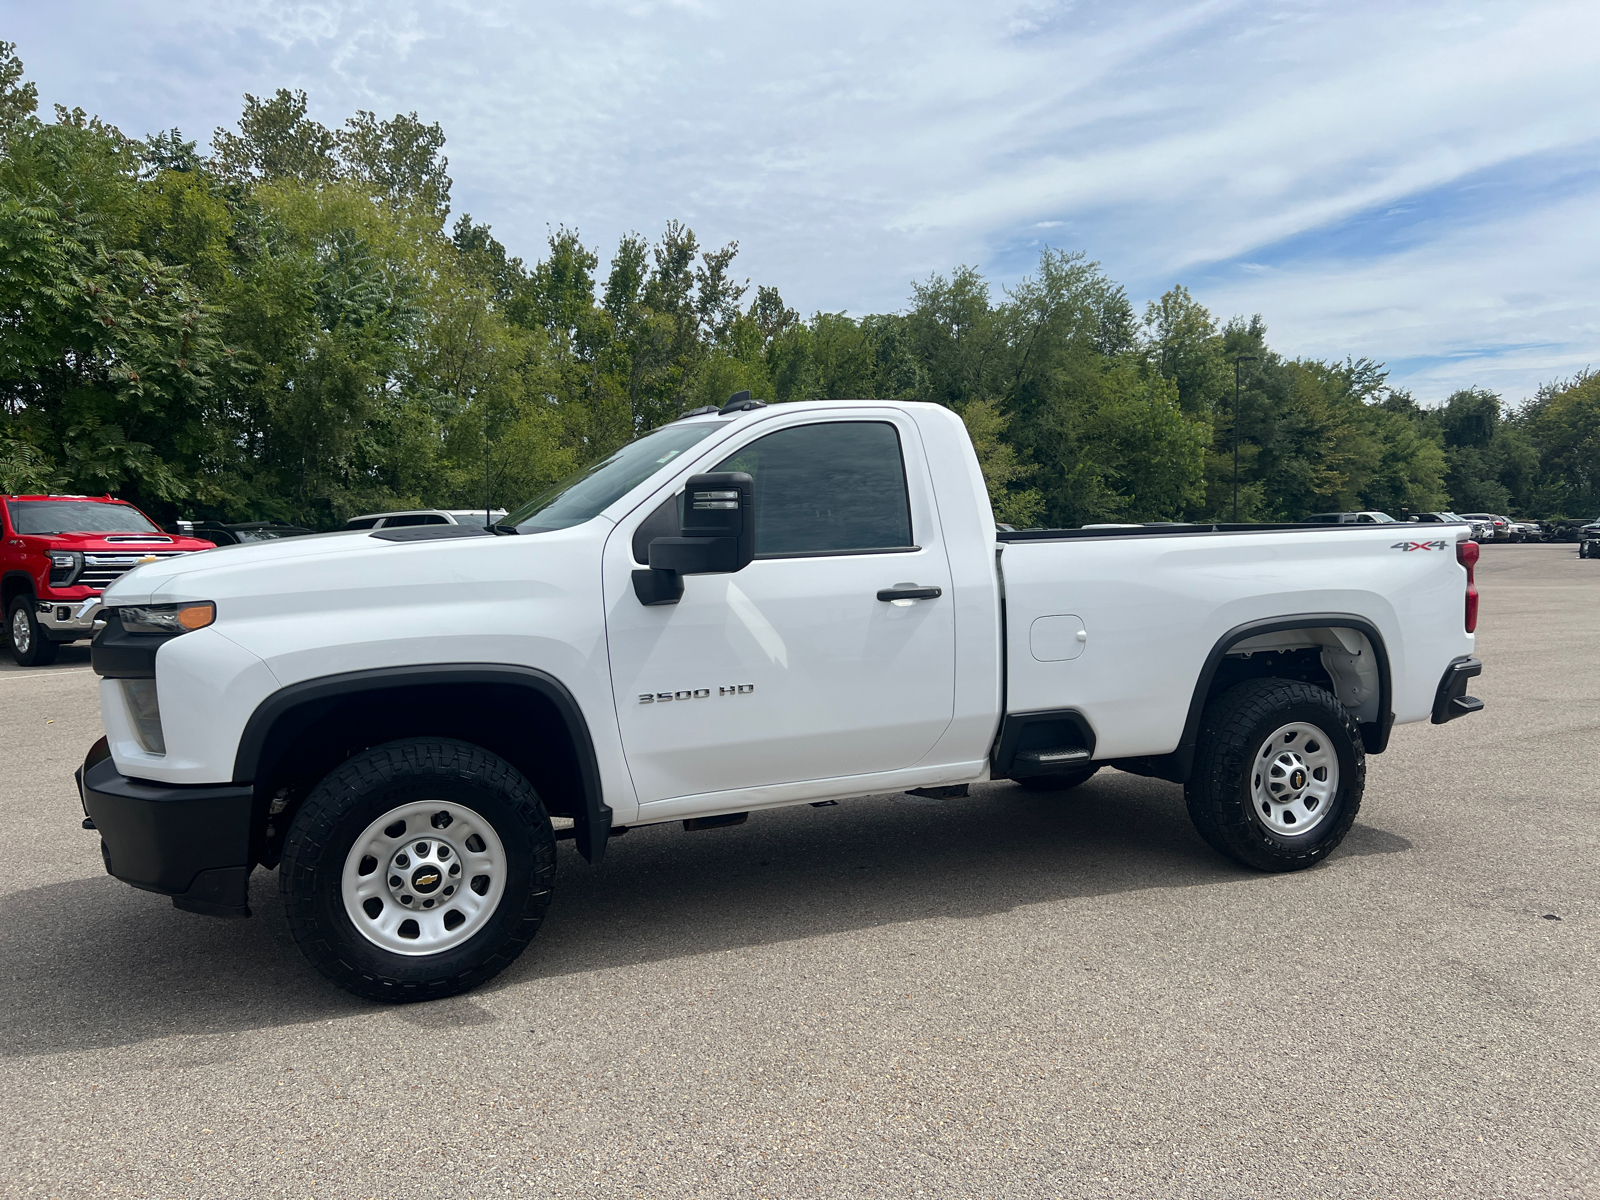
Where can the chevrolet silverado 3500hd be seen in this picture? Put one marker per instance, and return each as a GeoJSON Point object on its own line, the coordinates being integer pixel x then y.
{"type": "Point", "coordinates": [747, 608]}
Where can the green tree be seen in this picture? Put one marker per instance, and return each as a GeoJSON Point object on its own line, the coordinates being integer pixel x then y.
{"type": "Point", "coordinates": [1563, 425]}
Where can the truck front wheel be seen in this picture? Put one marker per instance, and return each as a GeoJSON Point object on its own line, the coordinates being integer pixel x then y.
{"type": "Point", "coordinates": [1278, 774]}
{"type": "Point", "coordinates": [29, 645]}
{"type": "Point", "coordinates": [417, 869]}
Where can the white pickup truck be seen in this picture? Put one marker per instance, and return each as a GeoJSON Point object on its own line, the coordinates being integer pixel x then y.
{"type": "Point", "coordinates": [748, 608]}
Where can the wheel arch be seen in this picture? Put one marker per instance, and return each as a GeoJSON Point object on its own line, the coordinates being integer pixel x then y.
{"type": "Point", "coordinates": [1178, 765]}
{"type": "Point", "coordinates": [526, 716]}
{"type": "Point", "coordinates": [13, 584]}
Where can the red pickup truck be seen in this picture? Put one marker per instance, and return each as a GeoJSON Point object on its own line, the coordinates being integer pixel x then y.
{"type": "Point", "coordinates": [57, 554]}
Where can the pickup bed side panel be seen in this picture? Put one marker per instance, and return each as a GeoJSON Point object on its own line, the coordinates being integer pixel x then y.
{"type": "Point", "coordinates": [1151, 609]}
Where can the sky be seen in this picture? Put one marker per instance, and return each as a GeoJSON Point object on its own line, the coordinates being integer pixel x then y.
{"type": "Point", "coordinates": [1415, 183]}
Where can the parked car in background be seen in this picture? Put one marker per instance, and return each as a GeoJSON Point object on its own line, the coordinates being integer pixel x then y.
{"type": "Point", "coordinates": [1589, 541]}
{"type": "Point", "coordinates": [57, 554]}
{"type": "Point", "coordinates": [425, 516]}
{"type": "Point", "coordinates": [241, 533]}
{"type": "Point", "coordinates": [1349, 518]}
{"type": "Point", "coordinates": [1569, 529]}
{"type": "Point", "coordinates": [1532, 531]}
{"type": "Point", "coordinates": [1499, 528]}
{"type": "Point", "coordinates": [1448, 518]}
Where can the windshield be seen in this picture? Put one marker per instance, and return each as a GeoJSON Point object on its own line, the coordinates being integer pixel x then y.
{"type": "Point", "coordinates": [77, 516]}
{"type": "Point", "coordinates": [584, 495]}
{"type": "Point", "coordinates": [261, 535]}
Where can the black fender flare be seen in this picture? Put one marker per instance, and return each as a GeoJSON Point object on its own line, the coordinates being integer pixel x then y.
{"type": "Point", "coordinates": [31, 587]}
{"type": "Point", "coordinates": [1178, 765]}
{"type": "Point", "coordinates": [593, 820]}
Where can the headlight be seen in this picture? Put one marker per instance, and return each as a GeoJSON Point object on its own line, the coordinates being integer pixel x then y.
{"type": "Point", "coordinates": [169, 619]}
{"type": "Point", "coordinates": [65, 566]}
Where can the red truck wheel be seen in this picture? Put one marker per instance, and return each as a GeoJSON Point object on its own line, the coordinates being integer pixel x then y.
{"type": "Point", "coordinates": [29, 645]}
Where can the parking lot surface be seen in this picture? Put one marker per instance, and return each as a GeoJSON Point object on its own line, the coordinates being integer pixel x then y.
{"type": "Point", "coordinates": [1009, 995]}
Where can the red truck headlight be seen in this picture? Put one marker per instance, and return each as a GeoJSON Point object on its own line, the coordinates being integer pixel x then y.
{"type": "Point", "coordinates": [65, 567]}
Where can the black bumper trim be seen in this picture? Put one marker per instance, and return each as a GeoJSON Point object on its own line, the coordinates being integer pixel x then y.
{"type": "Point", "coordinates": [188, 842]}
{"type": "Point", "coordinates": [1451, 700]}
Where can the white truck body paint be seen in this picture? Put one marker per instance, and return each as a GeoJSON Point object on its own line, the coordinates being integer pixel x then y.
{"type": "Point", "coordinates": [850, 694]}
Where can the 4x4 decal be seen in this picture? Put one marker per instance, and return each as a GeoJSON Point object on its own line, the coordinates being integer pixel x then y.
{"type": "Point", "coordinates": [1439, 545]}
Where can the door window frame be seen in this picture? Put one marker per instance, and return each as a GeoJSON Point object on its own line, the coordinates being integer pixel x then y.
{"type": "Point", "coordinates": [913, 463]}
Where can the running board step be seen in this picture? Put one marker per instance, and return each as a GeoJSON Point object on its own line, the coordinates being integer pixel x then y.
{"type": "Point", "coordinates": [1062, 757]}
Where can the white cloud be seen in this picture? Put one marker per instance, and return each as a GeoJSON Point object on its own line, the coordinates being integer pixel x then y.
{"type": "Point", "coordinates": [1507, 304]}
{"type": "Point", "coordinates": [851, 148]}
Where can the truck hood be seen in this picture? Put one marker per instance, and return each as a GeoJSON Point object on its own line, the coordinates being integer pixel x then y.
{"type": "Point", "coordinates": [151, 582]}
{"type": "Point", "coordinates": [119, 543]}
{"type": "Point", "coordinates": [322, 571]}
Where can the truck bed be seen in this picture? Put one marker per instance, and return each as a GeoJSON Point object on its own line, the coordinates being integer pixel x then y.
{"type": "Point", "coordinates": [1118, 624]}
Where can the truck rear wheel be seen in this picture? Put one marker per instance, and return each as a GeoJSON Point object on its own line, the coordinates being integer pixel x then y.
{"type": "Point", "coordinates": [1278, 774]}
{"type": "Point", "coordinates": [417, 869]}
{"type": "Point", "coordinates": [29, 645]}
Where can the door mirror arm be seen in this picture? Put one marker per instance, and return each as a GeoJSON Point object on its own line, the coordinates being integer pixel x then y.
{"type": "Point", "coordinates": [716, 537]}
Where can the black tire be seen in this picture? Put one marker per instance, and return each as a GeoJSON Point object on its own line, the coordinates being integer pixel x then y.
{"type": "Point", "coordinates": [363, 790]}
{"type": "Point", "coordinates": [1233, 734]}
{"type": "Point", "coordinates": [1058, 783]}
{"type": "Point", "coordinates": [29, 645]}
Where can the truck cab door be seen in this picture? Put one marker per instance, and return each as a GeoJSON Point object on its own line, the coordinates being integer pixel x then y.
{"type": "Point", "coordinates": [793, 669]}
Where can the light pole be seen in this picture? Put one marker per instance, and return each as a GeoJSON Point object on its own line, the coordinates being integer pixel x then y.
{"type": "Point", "coordinates": [1243, 358]}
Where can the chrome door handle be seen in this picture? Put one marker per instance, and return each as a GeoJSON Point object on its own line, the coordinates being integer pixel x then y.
{"type": "Point", "coordinates": [909, 591]}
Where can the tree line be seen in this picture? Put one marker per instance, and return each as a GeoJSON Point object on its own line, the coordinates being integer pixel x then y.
{"type": "Point", "coordinates": [293, 327]}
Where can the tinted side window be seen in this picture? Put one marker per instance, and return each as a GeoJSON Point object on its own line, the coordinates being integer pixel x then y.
{"type": "Point", "coordinates": [362, 523]}
{"type": "Point", "coordinates": [832, 488]}
{"type": "Point", "coordinates": [415, 519]}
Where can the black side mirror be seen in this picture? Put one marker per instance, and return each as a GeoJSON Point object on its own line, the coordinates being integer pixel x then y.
{"type": "Point", "coordinates": [717, 536]}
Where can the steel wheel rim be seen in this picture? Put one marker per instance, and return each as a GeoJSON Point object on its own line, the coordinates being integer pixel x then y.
{"type": "Point", "coordinates": [1294, 778]}
{"type": "Point", "coordinates": [21, 631]}
{"type": "Point", "coordinates": [411, 882]}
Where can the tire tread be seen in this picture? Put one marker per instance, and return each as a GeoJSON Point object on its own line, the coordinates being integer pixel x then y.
{"type": "Point", "coordinates": [1230, 730]}
{"type": "Point", "coordinates": [365, 776]}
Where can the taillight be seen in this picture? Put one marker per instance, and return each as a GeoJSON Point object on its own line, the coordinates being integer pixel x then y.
{"type": "Point", "coordinates": [1467, 556]}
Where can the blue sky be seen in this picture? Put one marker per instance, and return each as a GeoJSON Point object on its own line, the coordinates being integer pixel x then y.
{"type": "Point", "coordinates": [1416, 183]}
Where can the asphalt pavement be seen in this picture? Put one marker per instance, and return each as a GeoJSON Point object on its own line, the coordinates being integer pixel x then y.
{"type": "Point", "coordinates": [1009, 995]}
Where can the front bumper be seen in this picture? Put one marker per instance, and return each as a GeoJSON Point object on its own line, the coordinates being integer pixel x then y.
{"type": "Point", "coordinates": [188, 842]}
{"type": "Point", "coordinates": [1451, 700]}
{"type": "Point", "coordinates": [67, 620]}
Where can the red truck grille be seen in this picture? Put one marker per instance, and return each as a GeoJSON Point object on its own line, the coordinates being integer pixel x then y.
{"type": "Point", "coordinates": [99, 569]}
